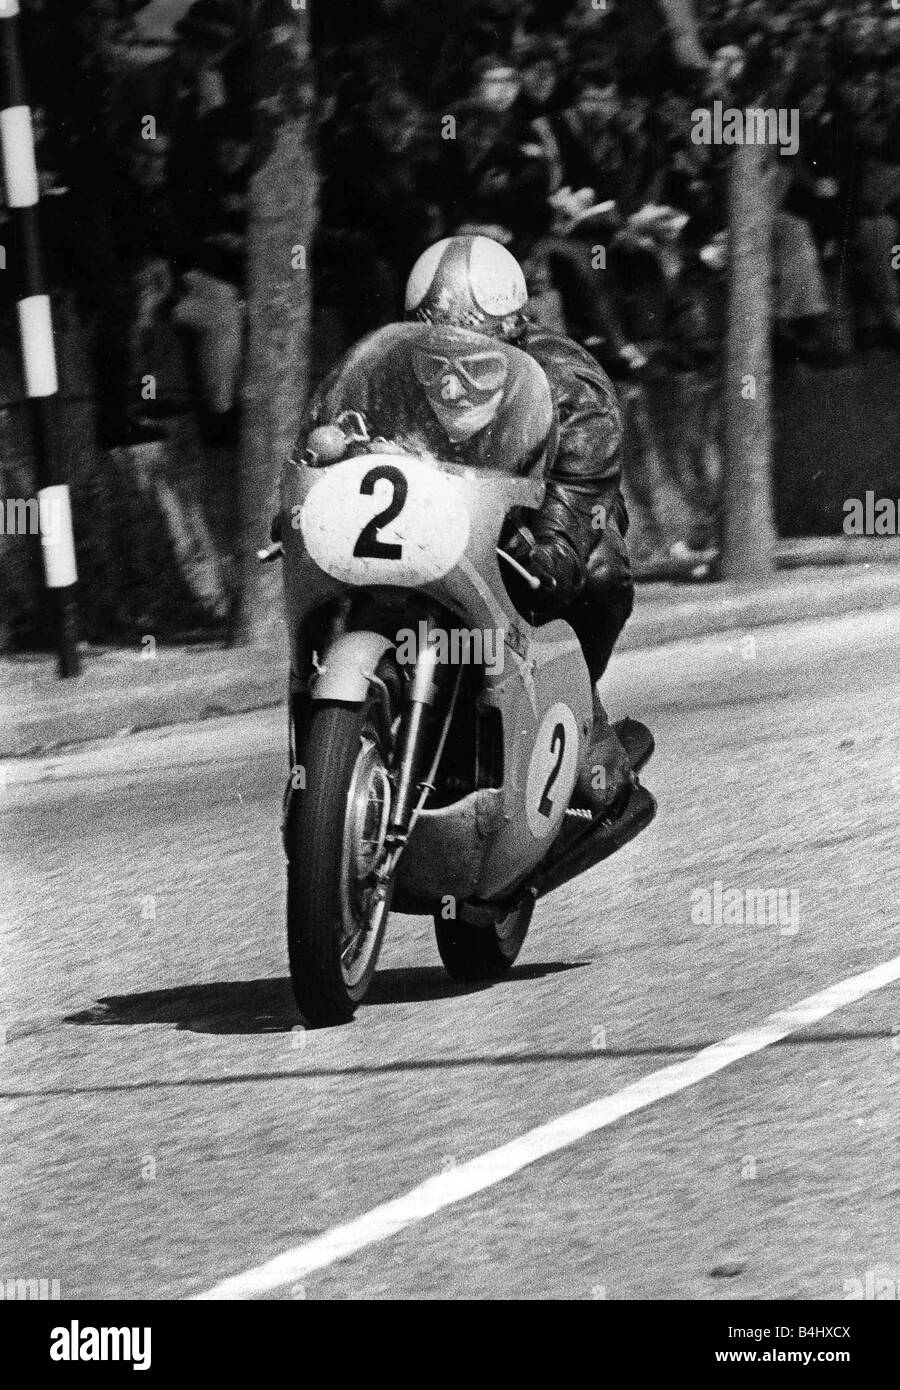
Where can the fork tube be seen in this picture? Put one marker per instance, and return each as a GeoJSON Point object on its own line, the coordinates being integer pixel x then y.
{"type": "Point", "coordinates": [421, 697]}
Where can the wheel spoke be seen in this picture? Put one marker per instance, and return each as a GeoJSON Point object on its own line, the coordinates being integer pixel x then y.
{"type": "Point", "coordinates": [368, 817]}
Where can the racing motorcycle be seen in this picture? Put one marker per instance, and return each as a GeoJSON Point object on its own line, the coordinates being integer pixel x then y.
{"type": "Point", "coordinates": [435, 732]}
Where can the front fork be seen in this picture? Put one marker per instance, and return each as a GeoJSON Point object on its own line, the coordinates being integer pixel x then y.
{"type": "Point", "coordinates": [411, 779]}
{"type": "Point", "coordinates": [413, 782]}
{"type": "Point", "coordinates": [420, 698]}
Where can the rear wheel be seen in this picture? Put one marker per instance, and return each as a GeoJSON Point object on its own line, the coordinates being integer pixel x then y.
{"type": "Point", "coordinates": [473, 947]}
{"type": "Point", "coordinates": [337, 902]}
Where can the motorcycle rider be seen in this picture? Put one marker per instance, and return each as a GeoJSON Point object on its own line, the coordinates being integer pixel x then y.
{"type": "Point", "coordinates": [439, 391]}
{"type": "Point", "coordinates": [578, 548]}
{"type": "Point", "coordinates": [472, 380]}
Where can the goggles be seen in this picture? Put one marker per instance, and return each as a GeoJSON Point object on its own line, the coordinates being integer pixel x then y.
{"type": "Point", "coordinates": [483, 371]}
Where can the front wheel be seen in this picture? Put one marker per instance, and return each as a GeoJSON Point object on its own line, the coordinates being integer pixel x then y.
{"type": "Point", "coordinates": [337, 902]}
{"type": "Point", "coordinates": [479, 949]}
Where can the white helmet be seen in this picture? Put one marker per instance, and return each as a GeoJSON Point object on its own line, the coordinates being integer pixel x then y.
{"type": "Point", "coordinates": [470, 282]}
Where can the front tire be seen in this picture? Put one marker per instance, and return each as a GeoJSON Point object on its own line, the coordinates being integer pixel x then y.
{"type": "Point", "coordinates": [336, 913]}
{"type": "Point", "coordinates": [476, 951]}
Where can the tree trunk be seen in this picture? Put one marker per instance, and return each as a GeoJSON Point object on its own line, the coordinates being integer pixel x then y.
{"type": "Point", "coordinates": [685, 33]}
{"type": "Point", "coordinates": [748, 526]}
{"type": "Point", "coordinates": [282, 212]}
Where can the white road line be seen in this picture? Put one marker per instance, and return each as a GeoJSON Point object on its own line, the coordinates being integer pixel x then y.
{"type": "Point", "coordinates": [490, 1168]}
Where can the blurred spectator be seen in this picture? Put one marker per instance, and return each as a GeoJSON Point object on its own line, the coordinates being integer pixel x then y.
{"type": "Point", "coordinates": [212, 263]}
{"type": "Point", "coordinates": [482, 29]}
{"type": "Point", "coordinates": [95, 243]}
{"type": "Point", "coordinates": [542, 83]}
{"type": "Point", "coordinates": [802, 327]}
{"type": "Point", "coordinates": [815, 189]}
{"type": "Point", "coordinates": [602, 140]}
{"type": "Point", "coordinates": [378, 209]}
{"type": "Point", "coordinates": [879, 207]}
{"type": "Point", "coordinates": [496, 85]}
{"type": "Point", "coordinates": [572, 144]}
{"type": "Point", "coordinates": [490, 179]}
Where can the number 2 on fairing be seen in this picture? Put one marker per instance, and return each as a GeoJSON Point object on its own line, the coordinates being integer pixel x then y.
{"type": "Point", "coordinates": [551, 770]}
{"type": "Point", "coordinates": [369, 547]}
{"type": "Point", "coordinates": [419, 532]}
{"type": "Point", "coordinates": [557, 746]}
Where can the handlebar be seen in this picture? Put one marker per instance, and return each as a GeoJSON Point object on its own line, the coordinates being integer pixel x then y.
{"type": "Point", "coordinates": [530, 579]}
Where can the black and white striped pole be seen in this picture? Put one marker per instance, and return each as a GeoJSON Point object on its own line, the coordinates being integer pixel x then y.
{"type": "Point", "coordinates": [36, 334]}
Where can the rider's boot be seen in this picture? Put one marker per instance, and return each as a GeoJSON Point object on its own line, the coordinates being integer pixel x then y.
{"type": "Point", "coordinates": [606, 777]}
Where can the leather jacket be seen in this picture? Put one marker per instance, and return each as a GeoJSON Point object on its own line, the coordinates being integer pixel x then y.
{"type": "Point", "coordinates": [584, 477]}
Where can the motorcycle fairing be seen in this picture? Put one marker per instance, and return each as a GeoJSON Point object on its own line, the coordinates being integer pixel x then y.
{"type": "Point", "coordinates": [489, 841]}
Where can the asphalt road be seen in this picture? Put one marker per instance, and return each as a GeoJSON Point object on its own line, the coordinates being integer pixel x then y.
{"type": "Point", "coordinates": [166, 1124]}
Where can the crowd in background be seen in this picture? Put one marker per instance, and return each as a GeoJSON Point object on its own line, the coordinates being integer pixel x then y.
{"type": "Point", "coordinates": [571, 130]}
{"type": "Point", "coordinates": [564, 129]}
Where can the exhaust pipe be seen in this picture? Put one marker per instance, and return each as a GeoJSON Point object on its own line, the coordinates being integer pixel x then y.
{"type": "Point", "coordinates": [597, 844]}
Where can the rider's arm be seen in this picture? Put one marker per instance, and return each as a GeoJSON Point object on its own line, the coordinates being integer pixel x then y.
{"type": "Point", "coordinates": [584, 478]}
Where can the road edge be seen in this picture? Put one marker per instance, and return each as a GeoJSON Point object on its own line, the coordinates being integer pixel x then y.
{"type": "Point", "coordinates": [121, 692]}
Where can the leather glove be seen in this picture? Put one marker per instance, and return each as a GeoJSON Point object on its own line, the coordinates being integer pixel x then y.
{"type": "Point", "coordinates": [555, 565]}
{"type": "Point", "coordinates": [519, 544]}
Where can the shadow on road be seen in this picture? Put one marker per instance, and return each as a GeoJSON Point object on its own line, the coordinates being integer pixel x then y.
{"type": "Point", "coordinates": [425, 1064]}
{"type": "Point", "coordinates": [230, 1006]}
{"type": "Point", "coordinates": [272, 995]}
{"type": "Point", "coordinates": [418, 984]}
{"type": "Point", "coordinates": [267, 1005]}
